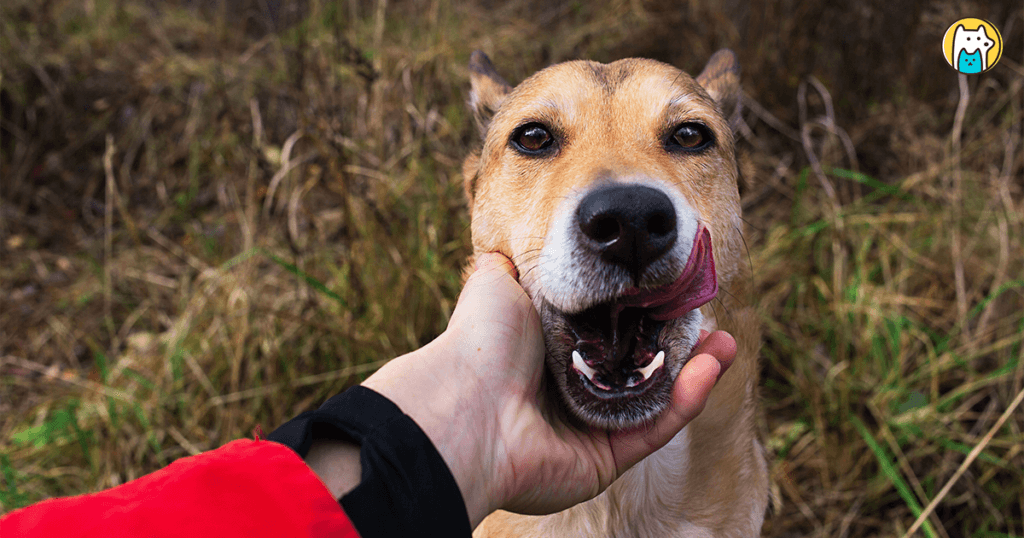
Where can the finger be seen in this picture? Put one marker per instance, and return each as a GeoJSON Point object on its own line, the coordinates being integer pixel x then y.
{"type": "Point", "coordinates": [494, 279]}
{"type": "Point", "coordinates": [720, 345]}
{"type": "Point", "coordinates": [493, 300]}
{"type": "Point", "coordinates": [689, 394]}
{"type": "Point", "coordinates": [491, 260]}
{"type": "Point", "coordinates": [691, 390]}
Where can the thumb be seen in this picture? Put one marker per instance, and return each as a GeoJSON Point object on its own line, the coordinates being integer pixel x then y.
{"type": "Point", "coordinates": [689, 394]}
{"type": "Point", "coordinates": [490, 260]}
{"type": "Point", "coordinates": [492, 287]}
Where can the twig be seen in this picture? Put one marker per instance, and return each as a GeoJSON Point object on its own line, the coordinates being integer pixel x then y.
{"type": "Point", "coordinates": [71, 378]}
{"type": "Point", "coordinates": [805, 140]}
{"type": "Point", "coordinates": [293, 210]}
{"type": "Point", "coordinates": [108, 232]}
{"type": "Point", "coordinates": [286, 166]}
{"type": "Point", "coordinates": [967, 462]}
{"type": "Point", "coordinates": [257, 123]}
{"type": "Point", "coordinates": [314, 379]}
{"type": "Point", "coordinates": [183, 442]}
{"type": "Point", "coordinates": [957, 191]}
{"type": "Point", "coordinates": [767, 117]}
{"type": "Point", "coordinates": [173, 248]}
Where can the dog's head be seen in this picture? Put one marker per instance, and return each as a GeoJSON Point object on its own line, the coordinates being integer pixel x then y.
{"type": "Point", "coordinates": [612, 188]}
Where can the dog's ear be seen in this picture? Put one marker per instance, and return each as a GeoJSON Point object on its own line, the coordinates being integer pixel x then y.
{"type": "Point", "coordinates": [721, 79]}
{"type": "Point", "coordinates": [488, 90]}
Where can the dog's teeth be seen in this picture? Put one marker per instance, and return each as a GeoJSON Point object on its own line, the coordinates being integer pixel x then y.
{"type": "Point", "coordinates": [648, 370]}
{"type": "Point", "coordinates": [581, 366]}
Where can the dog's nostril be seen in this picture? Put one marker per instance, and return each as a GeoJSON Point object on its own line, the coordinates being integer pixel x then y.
{"type": "Point", "coordinates": [603, 229]}
{"type": "Point", "coordinates": [661, 224]}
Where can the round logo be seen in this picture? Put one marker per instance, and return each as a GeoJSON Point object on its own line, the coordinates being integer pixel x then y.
{"type": "Point", "coordinates": [972, 46]}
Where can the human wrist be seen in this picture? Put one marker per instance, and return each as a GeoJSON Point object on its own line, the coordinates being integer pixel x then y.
{"type": "Point", "coordinates": [406, 486]}
{"type": "Point", "coordinates": [428, 386]}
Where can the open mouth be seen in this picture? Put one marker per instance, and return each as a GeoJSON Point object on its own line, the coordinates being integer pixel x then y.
{"type": "Point", "coordinates": [621, 357]}
{"type": "Point", "coordinates": [615, 348]}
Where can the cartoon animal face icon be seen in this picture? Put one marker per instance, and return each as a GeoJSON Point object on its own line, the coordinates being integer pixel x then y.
{"type": "Point", "coordinates": [969, 63]}
{"type": "Point", "coordinates": [970, 49]}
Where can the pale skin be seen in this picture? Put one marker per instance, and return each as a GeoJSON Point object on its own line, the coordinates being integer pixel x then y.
{"type": "Point", "coordinates": [476, 391]}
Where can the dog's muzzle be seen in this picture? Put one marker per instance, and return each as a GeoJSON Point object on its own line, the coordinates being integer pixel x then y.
{"type": "Point", "coordinates": [615, 345]}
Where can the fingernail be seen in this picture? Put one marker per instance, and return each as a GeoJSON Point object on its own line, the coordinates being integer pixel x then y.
{"type": "Point", "coordinates": [488, 260]}
{"type": "Point", "coordinates": [483, 260]}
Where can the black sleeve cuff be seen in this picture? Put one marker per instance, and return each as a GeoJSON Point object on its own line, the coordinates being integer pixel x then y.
{"type": "Point", "coordinates": [406, 488]}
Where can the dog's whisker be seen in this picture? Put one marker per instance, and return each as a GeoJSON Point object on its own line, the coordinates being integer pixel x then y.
{"type": "Point", "coordinates": [751, 224]}
{"type": "Point", "coordinates": [727, 292]}
{"type": "Point", "coordinates": [527, 272]}
{"type": "Point", "coordinates": [715, 311]}
{"type": "Point", "coordinates": [750, 262]}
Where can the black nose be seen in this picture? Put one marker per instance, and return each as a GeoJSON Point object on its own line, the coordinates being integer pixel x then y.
{"type": "Point", "coordinates": [629, 225]}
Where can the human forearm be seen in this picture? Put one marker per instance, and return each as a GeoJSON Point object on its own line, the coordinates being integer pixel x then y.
{"type": "Point", "coordinates": [411, 381]}
{"type": "Point", "coordinates": [428, 386]}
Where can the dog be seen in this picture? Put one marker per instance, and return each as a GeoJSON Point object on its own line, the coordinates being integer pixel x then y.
{"type": "Point", "coordinates": [613, 189]}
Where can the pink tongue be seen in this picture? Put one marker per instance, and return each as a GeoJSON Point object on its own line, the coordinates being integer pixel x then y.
{"type": "Point", "coordinates": [696, 286]}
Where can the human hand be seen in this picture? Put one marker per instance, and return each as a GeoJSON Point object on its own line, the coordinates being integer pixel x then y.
{"type": "Point", "coordinates": [477, 392]}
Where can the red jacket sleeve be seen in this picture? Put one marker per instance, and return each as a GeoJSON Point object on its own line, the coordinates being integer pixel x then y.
{"type": "Point", "coordinates": [245, 488]}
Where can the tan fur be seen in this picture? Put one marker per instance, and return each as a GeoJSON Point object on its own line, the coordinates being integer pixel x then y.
{"type": "Point", "coordinates": [610, 119]}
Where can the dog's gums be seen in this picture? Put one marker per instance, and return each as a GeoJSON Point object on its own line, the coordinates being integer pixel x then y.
{"type": "Point", "coordinates": [633, 380]}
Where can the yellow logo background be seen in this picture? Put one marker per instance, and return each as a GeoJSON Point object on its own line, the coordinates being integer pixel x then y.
{"type": "Point", "coordinates": [994, 53]}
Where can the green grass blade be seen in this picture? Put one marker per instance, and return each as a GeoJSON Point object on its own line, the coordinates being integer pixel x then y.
{"type": "Point", "coordinates": [316, 284]}
{"type": "Point", "coordinates": [992, 296]}
{"type": "Point", "coordinates": [10, 497]}
{"type": "Point", "coordinates": [873, 183]}
{"type": "Point", "coordinates": [894, 476]}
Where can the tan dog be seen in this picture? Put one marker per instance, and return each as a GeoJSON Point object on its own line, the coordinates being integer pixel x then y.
{"type": "Point", "coordinates": [613, 190]}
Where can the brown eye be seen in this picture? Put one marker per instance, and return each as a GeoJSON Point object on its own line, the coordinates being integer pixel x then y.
{"type": "Point", "coordinates": [691, 136]}
{"type": "Point", "coordinates": [532, 139]}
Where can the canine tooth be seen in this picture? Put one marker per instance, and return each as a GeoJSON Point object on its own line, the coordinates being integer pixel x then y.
{"type": "Point", "coordinates": [659, 359]}
{"type": "Point", "coordinates": [581, 366]}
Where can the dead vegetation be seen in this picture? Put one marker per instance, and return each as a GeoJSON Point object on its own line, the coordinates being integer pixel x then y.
{"type": "Point", "coordinates": [214, 216]}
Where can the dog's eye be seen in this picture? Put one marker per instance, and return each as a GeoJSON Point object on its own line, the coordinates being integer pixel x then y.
{"type": "Point", "coordinates": [532, 138]}
{"type": "Point", "coordinates": [691, 136]}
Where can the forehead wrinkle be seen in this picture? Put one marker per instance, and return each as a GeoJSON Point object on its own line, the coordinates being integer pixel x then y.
{"type": "Point", "coordinates": [691, 106]}
{"type": "Point", "coordinates": [670, 94]}
{"type": "Point", "coordinates": [683, 100]}
{"type": "Point", "coordinates": [599, 76]}
{"type": "Point", "coordinates": [553, 110]}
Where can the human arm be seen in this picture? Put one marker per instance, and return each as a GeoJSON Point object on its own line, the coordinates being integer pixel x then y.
{"type": "Point", "coordinates": [475, 392]}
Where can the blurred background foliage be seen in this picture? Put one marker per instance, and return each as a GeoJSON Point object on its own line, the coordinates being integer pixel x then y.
{"type": "Point", "coordinates": [215, 215]}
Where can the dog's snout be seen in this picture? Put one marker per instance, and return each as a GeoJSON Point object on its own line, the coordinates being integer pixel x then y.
{"type": "Point", "coordinates": [629, 225]}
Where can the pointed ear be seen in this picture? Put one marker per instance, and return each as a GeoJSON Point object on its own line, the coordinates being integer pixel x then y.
{"type": "Point", "coordinates": [721, 79]}
{"type": "Point", "coordinates": [488, 90]}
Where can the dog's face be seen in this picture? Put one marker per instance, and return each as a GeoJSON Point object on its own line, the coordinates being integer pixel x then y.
{"type": "Point", "coordinates": [612, 188]}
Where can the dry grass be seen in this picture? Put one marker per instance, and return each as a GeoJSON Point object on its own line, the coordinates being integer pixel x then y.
{"type": "Point", "coordinates": [213, 218]}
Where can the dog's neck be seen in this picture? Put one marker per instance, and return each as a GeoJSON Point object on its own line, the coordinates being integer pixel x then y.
{"type": "Point", "coordinates": [655, 484]}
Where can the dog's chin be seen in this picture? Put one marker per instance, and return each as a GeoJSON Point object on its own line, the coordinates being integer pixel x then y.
{"type": "Point", "coordinates": [615, 366]}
